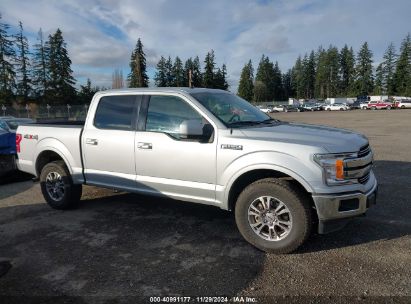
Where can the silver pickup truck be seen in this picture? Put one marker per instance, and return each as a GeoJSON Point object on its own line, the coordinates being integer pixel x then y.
{"type": "Point", "coordinates": [207, 146]}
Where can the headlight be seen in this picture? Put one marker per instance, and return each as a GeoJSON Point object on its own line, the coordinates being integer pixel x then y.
{"type": "Point", "coordinates": [333, 167]}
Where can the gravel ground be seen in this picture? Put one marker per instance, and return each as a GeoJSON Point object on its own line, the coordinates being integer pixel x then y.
{"type": "Point", "coordinates": [126, 247]}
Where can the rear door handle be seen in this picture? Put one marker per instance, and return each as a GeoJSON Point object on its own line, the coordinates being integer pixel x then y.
{"type": "Point", "coordinates": [91, 141]}
{"type": "Point", "coordinates": [146, 146]}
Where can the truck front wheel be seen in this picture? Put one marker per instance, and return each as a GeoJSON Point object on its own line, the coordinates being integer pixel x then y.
{"type": "Point", "coordinates": [273, 216]}
{"type": "Point", "coordinates": [57, 186]}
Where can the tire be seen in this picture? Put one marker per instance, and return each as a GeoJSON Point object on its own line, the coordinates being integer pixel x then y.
{"type": "Point", "coordinates": [58, 188]}
{"type": "Point", "coordinates": [341, 109]}
{"type": "Point", "coordinates": [402, 107]}
{"type": "Point", "coordinates": [329, 109]}
{"type": "Point", "coordinates": [388, 108]}
{"type": "Point", "coordinates": [364, 108]}
{"type": "Point", "coordinates": [373, 108]}
{"type": "Point", "coordinates": [297, 211]}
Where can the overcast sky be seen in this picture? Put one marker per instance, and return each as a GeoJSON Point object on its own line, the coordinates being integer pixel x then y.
{"type": "Point", "coordinates": [101, 34]}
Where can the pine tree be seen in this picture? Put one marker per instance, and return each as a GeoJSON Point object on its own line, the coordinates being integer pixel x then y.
{"type": "Point", "coordinates": [160, 77]}
{"type": "Point", "coordinates": [388, 70]}
{"type": "Point", "coordinates": [178, 73]}
{"type": "Point", "coordinates": [7, 57]}
{"type": "Point", "coordinates": [260, 91]}
{"type": "Point", "coordinates": [309, 75]}
{"type": "Point", "coordinates": [61, 81]}
{"type": "Point", "coordinates": [364, 76]}
{"type": "Point", "coordinates": [209, 67]}
{"type": "Point", "coordinates": [87, 92]}
{"type": "Point", "coordinates": [333, 66]}
{"type": "Point", "coordinates": [297, 78]}
{"type": "Point", "coordinates": [197, 77]}
{"type": "Point", "coordinates": [321, 75]}
{"type": "Point", "coordinates": [169, 72]}
{"type": "Point", "coordinates": [403, 72]}
{"type": "Point", "coordinates": [246, 84]}
{"type": "Point", "coordinates": [277, 83]}
{"type": "Point", "coordinates": [220, 81]}
{"type": "Point", "coordinates": [287, 85]}
{"type": "Point", "coordinates": [24, 86]}
{"type": "Point", "coordinates": [39, 66]}
{"type": "Point", "coordinates": [347, 71]}
{"type": "Point", "coordinates": [267, 75]}
{"type": "Point", "coordinates": [138, 75]}
{"type": "Point", "coordinates": [379, 80]}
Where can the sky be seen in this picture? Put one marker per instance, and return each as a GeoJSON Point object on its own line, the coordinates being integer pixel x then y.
{"type": "Point", "coordinates": [101, 34]}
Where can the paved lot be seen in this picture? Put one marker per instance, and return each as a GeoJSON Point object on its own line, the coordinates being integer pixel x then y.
{"type": "Point", "coordinates": [121, 245]}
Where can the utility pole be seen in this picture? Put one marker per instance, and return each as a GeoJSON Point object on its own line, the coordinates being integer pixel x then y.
{"type": "Point", "coordinates": [190, 79]}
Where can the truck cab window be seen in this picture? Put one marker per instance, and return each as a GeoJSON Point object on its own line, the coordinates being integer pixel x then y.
{"type": "Point", "coordinates": [166, 114]}
{"type": "Point", "coordinates": [115, 112]}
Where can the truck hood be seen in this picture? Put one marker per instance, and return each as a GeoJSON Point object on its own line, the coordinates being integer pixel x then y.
{"type": "Point", "coordinates": [331, 139]}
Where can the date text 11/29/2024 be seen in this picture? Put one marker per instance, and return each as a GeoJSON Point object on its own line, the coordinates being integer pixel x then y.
{"type": "Point", "coordinates": [236, 299]}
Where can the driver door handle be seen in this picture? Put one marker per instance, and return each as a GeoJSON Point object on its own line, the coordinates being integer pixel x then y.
{"type": "Point", "coordinates": [146, 146]}
{"type": "Point", "coordinates": [91, 141]}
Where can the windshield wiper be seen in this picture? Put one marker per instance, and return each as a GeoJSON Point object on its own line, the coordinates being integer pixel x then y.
{"type": "Point", "coordinates": [252, 122]}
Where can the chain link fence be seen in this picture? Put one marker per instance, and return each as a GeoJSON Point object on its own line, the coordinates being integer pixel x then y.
{"type": "Point", "coordinates": [45, 112]}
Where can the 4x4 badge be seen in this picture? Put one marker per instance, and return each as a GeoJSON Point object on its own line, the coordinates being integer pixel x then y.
{"type": "Point", "coordinates": [231, 147]}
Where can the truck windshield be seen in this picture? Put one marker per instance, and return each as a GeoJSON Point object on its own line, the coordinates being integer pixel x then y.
{"type": "Point", "coordinates": [232, 110]}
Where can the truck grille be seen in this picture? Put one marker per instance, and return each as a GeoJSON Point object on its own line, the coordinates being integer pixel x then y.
{"type": "Point", "coordinates": [359, 168]}
{"type": "Point", "coordinates": [364, 151]}
{"type": "Point", "coordinates": [364, 179]}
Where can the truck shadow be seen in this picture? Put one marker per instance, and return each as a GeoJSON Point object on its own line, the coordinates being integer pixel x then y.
{"type": "Point", "coordinates": [127, 245]}
{"type": "Point", "coordinates": [389, 219]}
{"type": "Point", "coordinates": [132, 245]}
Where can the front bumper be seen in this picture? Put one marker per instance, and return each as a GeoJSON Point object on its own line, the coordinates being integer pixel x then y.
{"type": "Point", "coordinates": [334, 211]}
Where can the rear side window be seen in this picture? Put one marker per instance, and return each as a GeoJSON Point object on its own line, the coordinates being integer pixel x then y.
{"type": "Point", "coordinates": [115, 112]}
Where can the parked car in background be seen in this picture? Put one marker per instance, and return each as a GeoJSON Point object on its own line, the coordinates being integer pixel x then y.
{"type": "Point", "coordinates": [10, 123]}
{"type": "Point", "coordinates": [337, 107]}
{"type": "Point", "coordinates": [355, 105]}
{"type": "Point", "coordinates": [404, 104]}
{"type": "Point", "coordinates": [364, 105]}
{"type": "Point", "coordinates": [279, 108]}
{"type": "Point", "coordinates": [292, 108]}
{"type": "Point", "coordinates": [311, 107]}
{"type": "Point", "coordinates": [264, 109]}
{"type": "Point", "coordinates": [380, 105]}
{"type": "Point", "coordinates": [8, 127]}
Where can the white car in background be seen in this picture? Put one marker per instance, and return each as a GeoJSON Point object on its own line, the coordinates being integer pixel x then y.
{"type": "Point", "coordinates": [364, 105]}
{"type": "Point", "coordinates": [264, 109]}
{"type": "Point", "coordinates": [337, 107]}
{"type": "Point", "coordinates": [403, 104]}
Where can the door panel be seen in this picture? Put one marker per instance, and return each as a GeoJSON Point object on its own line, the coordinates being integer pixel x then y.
{"type": "Point", "coordinates": [108, 142]}
{"type": "Point", "coordinates": [110, 162]}
{"type": "Point", "coordinates": [169, 164]}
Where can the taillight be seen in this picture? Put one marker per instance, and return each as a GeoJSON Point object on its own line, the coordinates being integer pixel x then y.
{"type": "Point", "coordinates": [18, 141]}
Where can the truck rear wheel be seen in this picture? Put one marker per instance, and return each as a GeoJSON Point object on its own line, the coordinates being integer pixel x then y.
{"type": "Point", "coordinates": [273, 216]}
{"type": "Point", "coordinates": [57, 186]}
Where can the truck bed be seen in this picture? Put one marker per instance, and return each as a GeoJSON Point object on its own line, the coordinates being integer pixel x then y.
{"type": "Point", "coordinates": [60, 137]}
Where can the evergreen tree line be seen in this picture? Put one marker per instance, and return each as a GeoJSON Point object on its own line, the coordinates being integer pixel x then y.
{"type": "Point", "coordinates": [330, 73]}
{"type": "Point", "coordinates": [42, 74]}
{"type": "Point", "coordinates": [176, 74]}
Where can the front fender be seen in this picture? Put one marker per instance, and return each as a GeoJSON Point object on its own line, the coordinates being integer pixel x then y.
{"type": "Point", "coordinates": [303, 171]}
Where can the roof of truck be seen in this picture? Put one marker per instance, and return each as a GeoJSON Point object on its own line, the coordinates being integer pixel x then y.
{"type": "Point", "coordinates": [162, 89]}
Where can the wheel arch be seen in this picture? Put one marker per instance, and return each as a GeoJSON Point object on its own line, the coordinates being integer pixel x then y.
{"type": "Point", "coordinates": [47, 156]}
{"type": "Point", "coordinates": [245, 178]}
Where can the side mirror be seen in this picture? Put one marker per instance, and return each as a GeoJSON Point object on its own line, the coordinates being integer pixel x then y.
{"type": "Point", "coordinates": [191, 128]}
